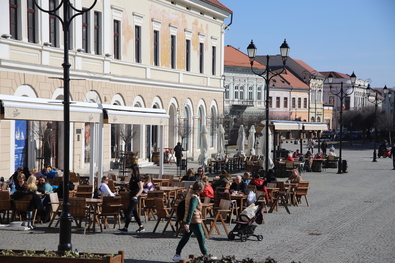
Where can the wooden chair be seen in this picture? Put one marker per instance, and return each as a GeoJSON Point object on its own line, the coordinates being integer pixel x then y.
{"type": "Point", "coordinates": [163, 212]}
{"type": "Point", "coordinates": [84, 191]}
{"type": "Point", "coordinates": [111, 206]}
{"type": "Point", "coordinates": [74, 177]}
{"type": "Point", "coordinates": [252, 187]}
{"type": "Point", "coordinates": [261, 198]}
{"type": "Point", "coordinates": [79, 211]}
{"type": "Point", "coordinates": [56, 208]}
{"type": "Point", "coordinates": [209, 167]}
{"type": "Point", "coordinates": [5, 205]}
{"type": "Point", "coordinates": [149, 203]}
{"type": "Point", "coordinates": [301, 190]}
{"type": "Point", "coordinates": [280, 197]}
{"type": "Point", "coordinates": [125, 201]}
{"type": "Point", "coordinates": [57, 180]}
{"type": "Point", "coordinates": [22, 205]}
{"type": "Point", "coordinates": [221, 213]}
{"type": "Point", "coordinates": [168, 176]}
{"type": "Point", "coordinates": [331, 162]}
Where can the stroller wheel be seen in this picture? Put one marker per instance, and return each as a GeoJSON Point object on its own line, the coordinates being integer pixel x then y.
{"type": "Point", "coordinates": [260, 237]}
{"type": "Point", "coordinates": [243, 238]}
{"type": "Point", "coordinates": [231, 236]}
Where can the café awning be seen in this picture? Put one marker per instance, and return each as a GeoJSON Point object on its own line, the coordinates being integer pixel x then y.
{"type": "Point", "coordinates": [287, 125]}
{"type": "Point", "coordinates": [36, 109]}
{"type": "Point", "coordinates": [134, 115]}
{"type": "Point", "coordinates": [315, 126]}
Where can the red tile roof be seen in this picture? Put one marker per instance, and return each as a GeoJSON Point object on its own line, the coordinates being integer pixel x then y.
{"type": "Point", "coordinates": [294, 81]}
{"type": "Point", "coordinates": [307, 67]}
{"type": "Point", "coordinates": [217, 4]}
{"type": "Point", "coordinates": [336, 75]}
{"type": "Point", "coordinates": [236, 58]}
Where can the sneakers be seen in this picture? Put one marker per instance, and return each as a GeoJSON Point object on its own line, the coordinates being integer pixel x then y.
{"type": "Point", "coordinates": [123, 230]}
{"type": "Point", "coordinates": [141, 229]}
{"type": "Point", "coordinates": [177, 258]}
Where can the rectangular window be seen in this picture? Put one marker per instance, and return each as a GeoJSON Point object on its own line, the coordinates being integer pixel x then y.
{"type": "Point", "coordinates": [31, 22]}
{"type": "Point", "coordinates": [259, 93]}
{"type": "Point", "coordinates": [53, 27]}
{"type": "Point", "coordinates": [305, 103]}
{"type": "Point", "coordinates": [270, 102]}
{"type": "Point", "coordinates": [250, 92]}
{"type": "Point", "coordinates": [214, 61]}
{"type": "Point", "coordinates": [285, 103]}
{"type": "Point", "coordinates": [156, 47]}
{"type": "Point", "coordinates": [188, 55]}
{"type": "Point", "coordinates": [97, 33]}
{"type": "Point", "coordinates": [201, 57]}
{"type": "Point", "coordinates": [85, 31]}
{"type": "Point", "coordinates": [236, 92]}
{"type": "Point", "coordinates": [293, 103]}
{"type": "Point", "coordinates": [117, 40]}
{"type": "Point", "coordinates": [278, 102]}
{"type": "Point", "coordinates": [299, 103]}
{"type": "Point", "coordinates": [137, 44]}
{"type": "Point", "coordinates": [173, 51]}
{"type": "Point", "coordinates": [14, 19]}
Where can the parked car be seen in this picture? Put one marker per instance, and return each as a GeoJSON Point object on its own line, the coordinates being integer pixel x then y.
{"type": "Point", "coordinates": [327, 135]}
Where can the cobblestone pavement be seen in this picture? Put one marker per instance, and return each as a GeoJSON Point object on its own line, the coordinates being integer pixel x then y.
{"type": "Point", "coordinates": [350, 219]}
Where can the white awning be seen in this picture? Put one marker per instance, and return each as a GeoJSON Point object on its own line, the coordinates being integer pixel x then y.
{"type": "Point", "coordinates": [315, 126]}
{"type": "Point", "coordinates": [287, 125]}
{"type": "Point", "coordinates": [34, 109]}
{"type": "Point", "coordinates": [116, 114]}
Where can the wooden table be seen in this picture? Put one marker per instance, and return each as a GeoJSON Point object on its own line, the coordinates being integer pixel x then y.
{"type": "Point", "coordinates": [241, 199]}
{"type": "Point", "coordinates": [169, 190]}
{"type": "Point", "coordinates": [161, 181]}
{"type": "Point", "coordinates": [205, 208]}
{"type": "Point", "coordinates": [94, 206]}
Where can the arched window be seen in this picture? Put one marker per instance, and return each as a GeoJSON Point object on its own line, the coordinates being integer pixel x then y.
{"type": "Point", "coordinates": [213, 128]}
{"type": "Point", "coordinates": [242, 92]}
{"type": "Point", "coordinates": [186, 129]}
{"type": "Point", "coordinates": [199, 127]}
{"type": "Point", "coordinates": [318, 119]}
{"type": "Point", "coordinates": [293, 103]}
{"type": "Point", "coordinates": [305, 103]}
{"type": "Point", "coordinates": [299, 103]}
{"type": "Point", "coordinates": [236, 92]}
{"type": "Point", "coordinates": [250, 93]}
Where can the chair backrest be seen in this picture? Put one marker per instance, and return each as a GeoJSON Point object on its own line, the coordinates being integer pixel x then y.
{"type": "Point", "coordinates": [207, 200]}
{"type": "Point", "coordinates": [112, 177]}
{"type": "Point", "coordinates": [54, 200]}
{"type": "Point", "coordinates": [5, 200]}
{"type": "Point", "coordinates": [111, 185]}
{"type": "Point", "coordinates": [220, 194]}
{"type": "Point", "coordinates": [156, 194]}
{"type": "Point", "coordinates": [111, 205]}
{"type": "Point", "coordinates": [57, 180]}
{"type": "Point", "coordinates": [84, 188]}
{"type": "Point", "coordinates": [168, 176]}
{"type": "Point", "coordinates": [225, 205]}
{"type": "Point", "coordinates": [23, 203]}
{"type": "Point", "coordinates": [331, 158]}
{"type": "Point", "coordinates": [281, 185]}
{"type": "Point", "coordinates": [289, 165]}
{"type": "Point", "coordinates": [271, 185]}
{"type": "Point", "coordinates": [303, 184]}
{"type": "Point", "coordinates": [252, 187]}
{"type": "Point", "coordinates": [161, 212]}
{"type": "Point", "coordinates": [74, 177]}
{"type": "Point", "coordinates": [125, 199]}
{"type": "Point", "coordinates": [78, 208]}
{"type": "Point", "coordinates": [4, 195]}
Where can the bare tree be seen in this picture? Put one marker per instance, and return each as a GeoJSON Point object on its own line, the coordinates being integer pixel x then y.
{"type": "Point", "coordinates": [184, 130]}
{"type": "Point", "coordinates": [127, 133]}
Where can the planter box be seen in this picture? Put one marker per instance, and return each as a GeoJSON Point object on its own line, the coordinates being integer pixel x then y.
{"type": "Point", "coordinates": [118, 258]}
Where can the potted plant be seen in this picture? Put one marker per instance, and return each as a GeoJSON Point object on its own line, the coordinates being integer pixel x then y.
{"type": "Point", "coordinates": [46, 256]}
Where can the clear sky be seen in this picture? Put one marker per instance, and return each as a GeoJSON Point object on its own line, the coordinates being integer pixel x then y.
{"type": "Point", "coordinates": [337, 35]}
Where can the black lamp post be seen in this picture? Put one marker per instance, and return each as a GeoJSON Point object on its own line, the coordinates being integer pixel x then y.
{"type": "Point", "coordinates": [391, 101]}
{"type": "Point", "coordinates": [376, 101]}
{"type": "Point", "coordinates": [267, 74]}
{"type": "Point", "coordinates": [66, 219]}
{"type": "Point", "coordinates": [341, 94]}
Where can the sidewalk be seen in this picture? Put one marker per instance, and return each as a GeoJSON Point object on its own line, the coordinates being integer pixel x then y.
{"type": "Point", "coordinates": [350, 219]}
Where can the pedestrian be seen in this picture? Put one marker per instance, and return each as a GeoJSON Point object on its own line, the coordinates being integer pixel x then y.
{"type": "Point", "coordinates": [192, 220]}
{"type": "Point", "coordinates": [324, 146]}
{"type": "Point", "coordinates": [136, 188]}
{"type": "Point", "coordinates": [178, 153]}
{"type": "Point", "coordinates": [393, 155]}
{"type": "Point", "coordinates": [310, 145]}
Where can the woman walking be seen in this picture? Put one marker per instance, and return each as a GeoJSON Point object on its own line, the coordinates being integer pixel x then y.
{"type": "Point", "coordinates": [192, 220]}
{"type": "Point", "coordinates": [136, 188]}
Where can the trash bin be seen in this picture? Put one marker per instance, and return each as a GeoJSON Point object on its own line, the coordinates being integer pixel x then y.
{"type": "Point", "coordinates": [183, 164]}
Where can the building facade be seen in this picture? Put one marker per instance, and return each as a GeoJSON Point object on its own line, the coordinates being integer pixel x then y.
{"type": "Point", "coordinates": [127, 58]}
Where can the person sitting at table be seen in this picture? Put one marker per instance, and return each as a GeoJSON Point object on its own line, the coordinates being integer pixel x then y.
{"type": "Point", "coordinates": [308, 153]}
{"type": "Point", "coordinates": [147, 184]}
{"type": "Point", "coordinates": [258, 182]}
{"type": "Point", "coordinates": [296, 154]}
{"type": "Point", "coordinates": [239, 186]}
{"type": "Point", "coordinates": [223, 180]}
{"type": "Point", "coordinates": [31, 184]}
{"type": "Point", "coordinates": [34, 171]}
{"type": "Point", "coordinates": [14, 176]}
{"type": "Point", "coordinates": [332, 151]}
{"type": "Point", "coordinates": [308, 164]}
{"type": "Point", "coordinates": [290, 158]}
{"type": "Point", "coordinates": [189, 176]}
{"type": "Point", "coordinates": [199, 175]}
{"type": "Point", "coordinates": [301, 158]}
{"type": "Point", "coordinates": [208, 190]}
{"type": "Point", "coordinates": [246, 178]}
{"type": "Point", "coordinates": [20, 184]}
{"type": "Point", "coordinates": [103, 187]}
{"type": "Point", "coordinates": [59, 190]}
{"type": "Point", "coordinates": [270, 177]}
{"type": "Point", "coordinates": [318, 155]}
{"type": "Point", "coordinates": [295, 177]}
{"type": "Point", "coordinates": [48, 171]}
{"type": "Point", "coordinates": [43, 186]}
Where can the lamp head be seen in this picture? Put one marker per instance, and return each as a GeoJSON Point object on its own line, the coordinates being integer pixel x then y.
{"type": "Point", "coordinates": [330, 78]}
{"type": "Point", "coordinates": [353, 78]}
{"type": "Point", "coordinates": [284, 50]}
{"type": "Point", "coordinates": [385, 90]}
{"type": "Point", "coordinates": [251, 51]}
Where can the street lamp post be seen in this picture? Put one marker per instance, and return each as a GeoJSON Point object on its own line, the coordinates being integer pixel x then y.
{"type": "Point", "coordinates": [376, 101]}
{"type": "Point", "coordinates": [66, 219]}
{"type": "Point", "coordinates": [341, 94]}
{"type": "Point", "coordinates": [267, 75]}
{"type": "Point", "coordinates": [391, 101]}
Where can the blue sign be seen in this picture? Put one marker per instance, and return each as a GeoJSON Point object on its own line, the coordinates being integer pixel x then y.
{"type": "Point", "coordinates": [20, 143]}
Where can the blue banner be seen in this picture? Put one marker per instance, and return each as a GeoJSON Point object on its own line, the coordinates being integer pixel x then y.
{"type": "Point", "coordinates": [20, 143]}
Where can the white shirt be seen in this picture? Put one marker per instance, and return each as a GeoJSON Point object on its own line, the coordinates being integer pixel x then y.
{"type": "Point", "coordinates": [104, 189]}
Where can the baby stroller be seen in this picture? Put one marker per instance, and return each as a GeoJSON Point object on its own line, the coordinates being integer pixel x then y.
{"type": "Point", "coordinates": [244, 226]}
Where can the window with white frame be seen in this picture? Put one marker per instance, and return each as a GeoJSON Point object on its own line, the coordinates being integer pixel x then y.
{"type": "Point", "coordinates": [236, 92]}
{"type": "Point", "coordinates": [117, 39]}
{"type": "Point", "coordinates": [31, 22]}
{"type": "Point", "coordinates": [137, 44]}
{"type": "Point", "coordinates": [259, 93]}
{"type": "Point", "coordinates": [85, 31]}
{"type": "Point", "coordinates": [241, 93]}
{"type": "Point", "coordinates": [251, 92]}
{"type": "Point", "coordinates": [156, 24]}
{"type": "Point", "coordinates": [53, 25]}
{"type": "Point", "coordinates": [299, 103]}
{"type": "Point", "coordinates": [227, 91]}
{"type": "Point", "coordinates": [97, 35]}
{"type": "Point", "coordinates": [14, 19]}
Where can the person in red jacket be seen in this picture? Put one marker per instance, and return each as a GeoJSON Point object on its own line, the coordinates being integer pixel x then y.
{"type": "Point", "coordinates": [208, 191]}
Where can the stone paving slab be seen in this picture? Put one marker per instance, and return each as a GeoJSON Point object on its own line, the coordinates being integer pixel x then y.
{"type": "Point", "coordinates": [350, 219]}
